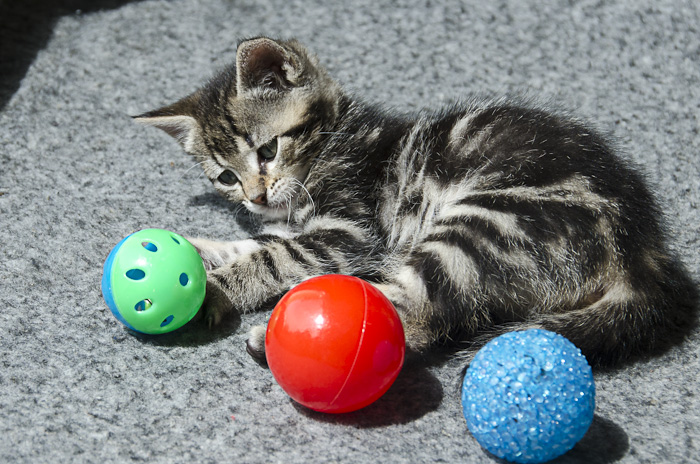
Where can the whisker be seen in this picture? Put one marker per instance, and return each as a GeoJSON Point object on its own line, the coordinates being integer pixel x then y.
{"type": "Point", "coordinates": [313, 205]}
{"type": "Point", "coordinates": [289, 196]}
{"type": "Point", "coordinates": [237, 211]}
{"type": "Point", "coordinates": [190, 168]}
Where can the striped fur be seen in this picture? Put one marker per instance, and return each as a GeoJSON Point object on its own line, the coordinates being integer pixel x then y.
{"type": "Point", "coordinates": [484, 217]}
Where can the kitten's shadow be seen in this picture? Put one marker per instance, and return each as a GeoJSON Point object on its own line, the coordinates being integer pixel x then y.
{"type": "Point", "coordinates": [415, 393]}
{"type": "Point", "coordinates": [211, 198]}
{"type": "Point", "coordinates": [244, 219]}
{"type": "Point", "coordinates": [681, 325]}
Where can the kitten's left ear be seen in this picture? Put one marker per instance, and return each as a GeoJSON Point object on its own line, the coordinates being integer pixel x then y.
{"type": "Point", "coordinates": [265, 63]}
{"type": "Point", "coordinates": [176, 120]}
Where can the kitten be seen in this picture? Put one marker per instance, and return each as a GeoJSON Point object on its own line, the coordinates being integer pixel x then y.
{"type": "Point", "coordinates": [483, 217]}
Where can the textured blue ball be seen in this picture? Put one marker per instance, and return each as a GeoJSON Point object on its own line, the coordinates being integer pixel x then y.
{"type": "Point", "coordinates": [528, 396]}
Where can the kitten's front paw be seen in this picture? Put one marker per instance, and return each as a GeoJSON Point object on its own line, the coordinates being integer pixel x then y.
{"type": "Point", "coordinates": [255, 345]}
{"type": "Point", "coordinates": [216, 304]}
{"type": "Point", "coordinates": [207, 251]}
{"type": "Point", "coordinates": [216, 254]}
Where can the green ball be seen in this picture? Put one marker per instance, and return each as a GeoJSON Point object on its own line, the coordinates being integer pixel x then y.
{"type": "Point", "coordinates": [154, 281]}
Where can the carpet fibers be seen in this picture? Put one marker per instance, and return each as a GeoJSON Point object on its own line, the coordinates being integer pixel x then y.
{"type": "Point", "coordinates": [77, 175]}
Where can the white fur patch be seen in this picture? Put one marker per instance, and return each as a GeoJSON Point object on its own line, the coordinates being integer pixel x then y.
{"type": "Point", "coordinates": [459, 266]}
{"type": "Point", "coordinates": [458, 130]}
{"type": "Point", "coordinates": [330, 223]}
{"type": "Point", "coordinates": [244, 247]}
{"type": "Point", "coordinates": [279, 230]}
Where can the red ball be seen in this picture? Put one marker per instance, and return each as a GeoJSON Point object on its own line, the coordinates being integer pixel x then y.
{"type": "Point", "coordinates": [335, 343]}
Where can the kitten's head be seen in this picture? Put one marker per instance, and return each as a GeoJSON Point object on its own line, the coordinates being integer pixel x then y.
{"type": "Point", "coordinates": [256, 128]}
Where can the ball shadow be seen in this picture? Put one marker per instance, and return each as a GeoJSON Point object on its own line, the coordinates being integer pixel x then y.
{"type": "Point", "coordinates": [605, 442]}
{"type": "Point", "coordinates": [415, 393]}
{"type": "Point", "coordinates": [194, 333]}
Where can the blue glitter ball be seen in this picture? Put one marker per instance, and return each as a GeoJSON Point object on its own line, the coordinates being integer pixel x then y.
{"type": "Point", "coordinates": [528, 396]}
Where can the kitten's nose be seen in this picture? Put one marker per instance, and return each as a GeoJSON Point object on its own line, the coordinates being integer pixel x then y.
{"type": "Point", "coordinates": [261, 200]}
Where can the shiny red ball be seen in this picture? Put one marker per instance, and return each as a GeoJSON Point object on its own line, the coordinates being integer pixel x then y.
{"type": "Point", "coordinates": [335, 343]}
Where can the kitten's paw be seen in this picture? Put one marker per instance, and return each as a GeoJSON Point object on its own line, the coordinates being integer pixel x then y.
{"type": "Point", "coordinates": [207, 252]}
{"type": "Point", "coordinates": [216, 304]}
{"type": "Point", "coordinates": [216, 254]}
{"type": "Point", "coordinates": [418, 339]}
{"type": "Point", "coordinates": [255, 345]}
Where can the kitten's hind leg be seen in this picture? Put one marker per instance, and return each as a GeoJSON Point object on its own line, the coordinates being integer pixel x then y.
{"type": "Point", "coordinates": [420, 318]}
{"type": "Point", "coordinates": [437, 294]}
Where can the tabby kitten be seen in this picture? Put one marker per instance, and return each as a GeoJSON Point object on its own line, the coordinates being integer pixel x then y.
{"type": "Point", "coordinates": [483, 217]}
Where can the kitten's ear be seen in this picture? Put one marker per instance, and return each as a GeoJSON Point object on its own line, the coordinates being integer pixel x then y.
{"type": "Point", "coordinates": [264, 63]}
{"type": "Point", "coordinates": [176, 121]}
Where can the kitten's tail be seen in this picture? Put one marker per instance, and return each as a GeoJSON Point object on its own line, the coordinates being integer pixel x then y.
{"type": "Point", "coordinates": [621, 324]}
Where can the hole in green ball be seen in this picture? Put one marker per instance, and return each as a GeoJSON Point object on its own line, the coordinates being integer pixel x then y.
{"type": "Point", "coordinates": [175, 239]}
{"type": "Point", "coordinates": [167, 321]}
{"type": "Point", "coordinates": [149, 246]}
{"type": "Point", "coordinates": [135, 274]}
{"type": "Point", "coordinates": [143, 305]}
{"type": "Point", "coordinates": [184, 279]}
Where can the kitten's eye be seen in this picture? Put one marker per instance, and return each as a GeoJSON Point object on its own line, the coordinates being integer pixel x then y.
{"type": "Point", "coordinates": [228, 178]}
{"type": "Point", "coordinates": [268, 151]}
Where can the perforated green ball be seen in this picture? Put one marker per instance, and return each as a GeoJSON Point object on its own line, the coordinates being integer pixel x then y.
{"type": "Point", "coordinates": [154, 281]}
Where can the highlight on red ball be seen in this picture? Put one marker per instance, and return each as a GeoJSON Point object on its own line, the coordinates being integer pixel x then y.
{"type": "Point", "coordinates": [335, 343]}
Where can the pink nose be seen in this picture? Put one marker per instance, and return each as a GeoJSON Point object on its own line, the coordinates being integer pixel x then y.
{"type": "Point", "coordinates": [261, 200]}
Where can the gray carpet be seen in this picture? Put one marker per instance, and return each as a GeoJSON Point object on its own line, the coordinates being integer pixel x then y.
{"type": "Point", "coordinates": [77, 175]}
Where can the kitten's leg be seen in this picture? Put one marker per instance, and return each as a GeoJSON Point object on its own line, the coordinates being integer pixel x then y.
{"type": "Point", "coordinates": [256, 280]}
{"type": "Point", "coordinates": [423, 322]}
{"type": "Point", "coordinates": [250, 282]}
{"type": "Point", "coordinates": [216, 254]}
